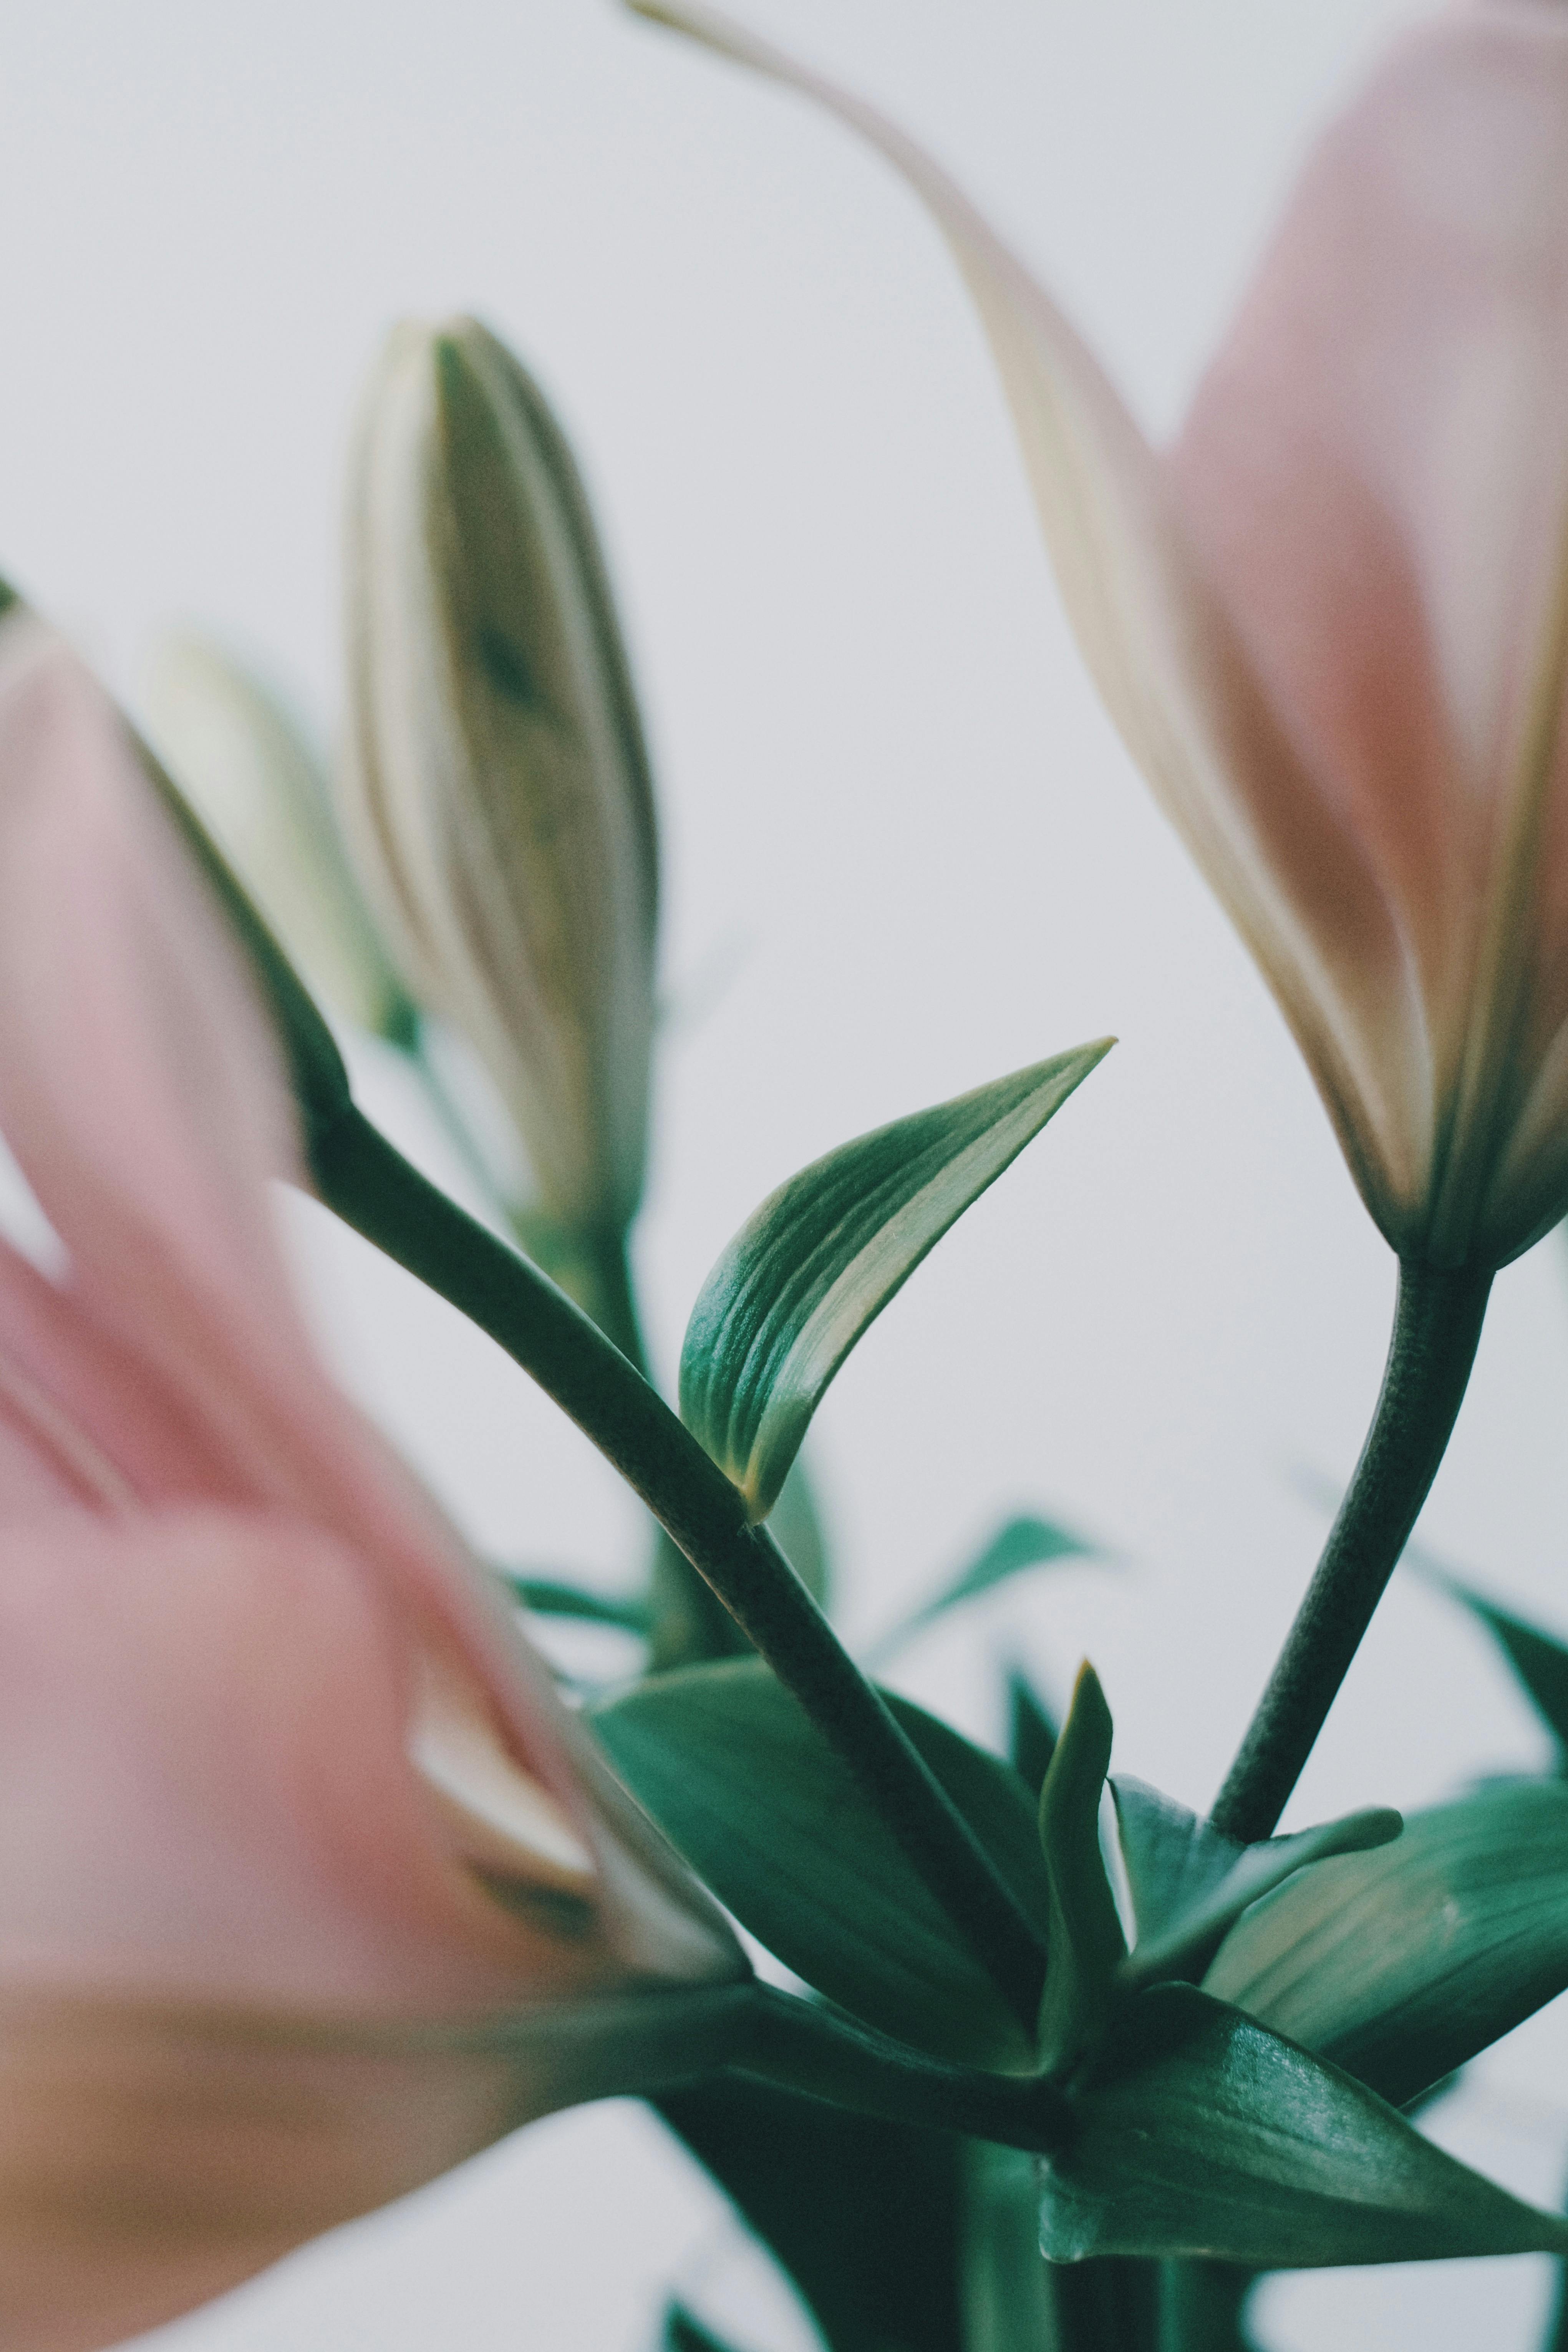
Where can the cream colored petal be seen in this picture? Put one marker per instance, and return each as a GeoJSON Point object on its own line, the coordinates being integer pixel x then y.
{"type": "Point", "coordinates": [496, 787]}
{"type": "Point", "coordinates": [244, 766]}
{"type": "Point", "coordinates": [1181, 687]}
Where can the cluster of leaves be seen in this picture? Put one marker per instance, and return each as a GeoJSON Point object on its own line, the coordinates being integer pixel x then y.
{"type": "Point", "coordinates": [1236, 2039]}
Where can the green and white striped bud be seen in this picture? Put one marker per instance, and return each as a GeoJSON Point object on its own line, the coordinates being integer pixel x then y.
{"type": "Point", "coordinates": [496, 791]}
{"type": "Point", "coordinates": [242, 763]}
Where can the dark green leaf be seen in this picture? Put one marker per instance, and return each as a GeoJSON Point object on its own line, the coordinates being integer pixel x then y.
{"type": "Point", "coordinates": [553, 1598]}
{"type": "Point", "coordinates": [1084, 1937]}
{"type": "Point", "coordinates": [1175, 1859]}
{"type": "Point", "coordinates": [1190, 1883]}
{"type": "Point", "coordinates": [765, 1809]}
{"type": "Point", "coordinates": [821, 1257]}
{"type": "Point", "coordinates": [1014, 2301]}
{"type": "Point", "coordinates": [1537, 1657]}
{"type": "Point", "coordinates": [1031, 1732]}
{"type": "Point", "coordinates": [1201, 2134]}
{"type": "Point", "coordinates": [1401, 1964]}
{"type": "Point", "coordinates": [684, 2334]}
{"type": "Point", "coordinates": [1022, 1543]}
{"type": "Point", "coordinates": [863, 2215]}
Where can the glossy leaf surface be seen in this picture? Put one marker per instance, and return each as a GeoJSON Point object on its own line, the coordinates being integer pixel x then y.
{"type": "Point", "coordinates": [738, 1778]}
{"type": "Point", "coordinates": [1020, 1544]}
{"type": "Point", "coordinates": [1190, 1883]}
{"type": "Point", "coordinates": [1084, 1938]}
{"type": "Point", "coordinates": [821, 1257]}
{"type": "Point", "coordinates": [1401, 1964]}
{"type": "Point", "coordinates": [1202, 2133]}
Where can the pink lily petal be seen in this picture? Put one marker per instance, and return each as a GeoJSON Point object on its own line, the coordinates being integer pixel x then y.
{"type": "Point", "coordinates": [276, 1772]}
{"type": "Point", "coordinates": [1177, 679]}
{"type": "Point", "coordinates": [1376, 469]}
{"type": "Point", "coordinates": [1332, 626]}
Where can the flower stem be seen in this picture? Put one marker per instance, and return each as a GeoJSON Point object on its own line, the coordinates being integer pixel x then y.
{"type": "Point", "coordinates": [373, 1189]}
{"type": "Point", "coordinates": [1437, 1328]}
{"type": "Point", "coordinates": [803, 2046]}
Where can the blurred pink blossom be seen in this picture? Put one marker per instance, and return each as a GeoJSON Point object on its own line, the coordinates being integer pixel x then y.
{"type": "Point", "coordinates": [309, 1885]}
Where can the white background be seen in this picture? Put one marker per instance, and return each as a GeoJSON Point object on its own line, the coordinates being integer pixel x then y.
{"type": "Point", "coordinates": [892, 808]}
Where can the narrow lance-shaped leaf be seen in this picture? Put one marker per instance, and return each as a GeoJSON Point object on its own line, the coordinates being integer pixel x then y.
{"type": "Point", "coordinates": [1019, 1544]}
{"type": "Point", "coordinates": [682, 2333]}
{"type": "Point", "coordinates": [767, 1812]}
{"type": "Point", "coordinates": [819, 1261]}
{"type": "Point", "coordinates": [1190, 1882]}
{"type": "Point", "coordinates": [1202, 2133]}
{"type": "Point", "coordinates": [1538, 1658]}
{"type": "Point", "coordinates": [553, 1596]}
{"type": "Point", "coordinates": [1401, 1964]}
{"type": "Point", "coordinates": [1084, 1939]}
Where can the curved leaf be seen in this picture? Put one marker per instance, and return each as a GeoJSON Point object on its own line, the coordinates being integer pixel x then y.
{"type": "Point", "coordinates": [1401, 1964]}
{"type": "Point", "coordinates": [553, 1596]}
{"type": "Point", "coordinates": [1190, 1882]}
{"type": "Point", "coordinates": [732, 1771]}
{"type": "Point", "coordinates": [1018, 1544]}
{"type": "Point", "coordinates": [1203, 2134]}
{"type": "Point", "coordinates": [820, 1259]}
{"type": "Point", "coordinates": [1084, 1938]}
{"type": "Point", "coordinates": [1538, 1658]}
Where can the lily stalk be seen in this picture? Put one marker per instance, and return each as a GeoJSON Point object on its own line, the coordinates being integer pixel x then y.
{"type": "Point", "coordinates": [1437, 1329]}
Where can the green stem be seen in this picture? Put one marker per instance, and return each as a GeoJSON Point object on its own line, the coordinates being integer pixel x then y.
{"type": "Point", "coordinates": [687, 1624]}
{"type": "Point", "coordinates": [1437, 1328]}
{"type": "Point", "coordinates": [373, 1189]}
{"type": "Point", "coordinates": [801, 2046]}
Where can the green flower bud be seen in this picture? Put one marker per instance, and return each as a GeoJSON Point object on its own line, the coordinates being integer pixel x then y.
{"type": "Point", "coordinates": [496, 792]}
{"type": "Point", "coordinates": [244, 767]}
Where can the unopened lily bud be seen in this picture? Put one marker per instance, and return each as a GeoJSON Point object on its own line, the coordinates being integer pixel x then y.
{"type": "Point", "coordinates": [245, 768]}
{"type": "Point", "coordinates": [497, 790]}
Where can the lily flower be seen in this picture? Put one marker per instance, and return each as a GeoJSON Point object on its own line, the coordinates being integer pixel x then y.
{"type": "Point", "coordinates": [1332, 622]}
{"type": "Point", "coordinates": [309, 1885]}
{"type": "Point", "coordinates": [497, 793]}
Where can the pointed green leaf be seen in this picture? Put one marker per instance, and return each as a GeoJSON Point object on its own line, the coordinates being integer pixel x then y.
{"type": "Point", "coordinates": [1021, 1543]}
{"type": "Point", "coordinates": [552, 1596]}
{"type": "Point", "coordinates": [1401, 1964]}
{"type": "Point", "coordinates": [1190, 1883]}
{"type": "Point", "coordinates": [1203, 2134]}
{"type": "Point", "coordinates": [1084, 1937]}
{"type": "Point", "coordinates": [1032, 1732]}
{"type": "Point", "coordinates": [682, 2333]}
{"type": "Point", "coordinates": [823, 1255]}
{"type": "Point", "coordinates": [1173, 1859]}
{"type": "Point", "coordinates": [1537, 1657]}
{"type": "Point", "coordinates": [765, 1811]}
